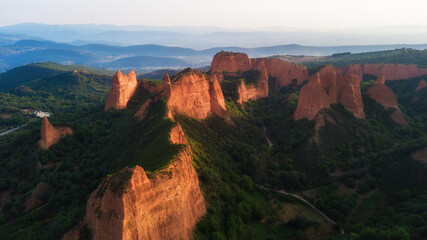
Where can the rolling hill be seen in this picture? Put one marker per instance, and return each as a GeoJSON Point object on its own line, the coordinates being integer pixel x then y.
{"type": "Point", "coordinates": [28, 73]}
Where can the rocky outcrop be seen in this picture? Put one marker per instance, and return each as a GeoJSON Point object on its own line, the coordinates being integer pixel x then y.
{"type": "Point", "coordinates": [51, 135]}
{"type": "Point", "coordinates": [422, 84]}
{"type": "Point", "coordinates": [285, 73]}
{"type": "Point", "coordinates": [391, 71]}
{"type": "Point", "coordinates": [328, 87]}
{"type": "Point", "coordinates": [39, 195]}
{"type": "Point", "coordinates": [350, 95]}
{"type": "Point", "coordinates": [312, 99]}
{"type": "Point", "coordinates": [421, 155]}
{"type": "Point", "coordinates": [257, 91]}
{"type": "Point", "coordinates": [197, 95]}
{"type": "Point", "coordinates": [383, 94]}
{"type": "Point", "coordinates": [355, 69]}
{"type": "Point", "coordinates": [163, 205]}
{"type": "Point", "coordinates": [124, 87]}
{"type": "Point", "coordinates": [230, 62]}
{"type": "Point", "coordinates": [157, 88]}
{"type": "Point", "coordinates": [386, 97]}
{"type": "Point", "coordinates": [398, 117]}
{"type": "Point", "coordinates": [143, 110]}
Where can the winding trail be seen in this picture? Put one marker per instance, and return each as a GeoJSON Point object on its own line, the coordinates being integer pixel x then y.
{"type": "Point", "coordinates": [302, 199]}
{"type": "Point", "coordinates": [270, 144]}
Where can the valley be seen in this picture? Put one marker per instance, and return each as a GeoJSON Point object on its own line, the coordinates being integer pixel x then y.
{"type": "Point", "coordinates": [251, 148]}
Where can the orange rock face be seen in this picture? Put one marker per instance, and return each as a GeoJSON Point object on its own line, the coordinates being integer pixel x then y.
{"type": "Point", "coordinates": [327, 87]}
{"type": "Point", "coordinates": [355, 69]}
{"type": "Point", "coordinates": [164, 88]}
{"type": "Point", "coordinates": [286, 73]}
{"type": "Point", "coordinates": [230, 62]}
{"type": "Point", "coordinates": [51, 135]}
{"type": "Point", "coordinates": [422, 84]}
{"type": "Point", "coordinates": [386, 97]}
{"type": "Point", "coordinates": [421, 155]}
{"type": "Point", "coordinates": [311, 100]}
{"type": "Point", "coordinates": [350, 95]}
{"type": "Point", "coordinates": [196, 95]}
{"type": "Point", "coordinates": [124, 87]}
{"type": "Point", "coordinates": [260, 90]}
{"type": "Point", "coordinates": [143, 110]}
{"type": "Point", "coordinates": [394, 71]}
{"type": "Point", "coordinates": [164, 206]}
{"type": "Point", "coordinates": [383, 94]}
{"type": "Point", "coordinates": [398, 117]}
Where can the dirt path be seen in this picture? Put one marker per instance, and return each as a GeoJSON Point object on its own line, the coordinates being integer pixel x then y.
{"type": "Point", "coordinates": [270, 144]}
{"type": "Point", "coordinates": [302, 199]}
{"type": "Point", "coordinates": [358, 202]}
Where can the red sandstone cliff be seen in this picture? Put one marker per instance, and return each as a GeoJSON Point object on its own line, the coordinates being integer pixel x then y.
{"type": "Point", "coordinates": [124, 87]}
{"type": "Point", "coordinates": [327, 87]}
{"type": "Point", "coordinates": [390, 71]}
{"type": "Point", "coordinates": [386, 97]}
{"type": "Point", "coordinates": [257, 91]}
{"type": "Point", "coordinates": [355, 69]}
{"type": "Point", "coordinates": [131, 205]}
{"type": "Point", "coordinates": [51, 135]}
{"type": "Point", "coordinates": [197, 95]}
{"type": "Point", "coordinates": [383, 94]}
{"type": "Point", "coordinates": [143, 110]}
{"type": "Point", "coordinates": [312, 99]}
{"type": "Point", "coordinates": [230, 62]}
{"type": "Point", "coordinates": [422, 84]}
{"type": "Point", "coordinates": [350, 95]}
{"type": "Point", "coordinates": [163, 88]}
{"type": "Point", "coordinates": [286, 73]}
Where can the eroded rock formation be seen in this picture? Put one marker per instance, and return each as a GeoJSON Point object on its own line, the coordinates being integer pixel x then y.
{"type": "Point", "coordinates": [386, 97]}
{"type": "Point", "coordinates": [285, 73]}
{"type": "Point", "coordinates": [390, 71]}
{"type": "Point", "coordinates": [421, 155]}
{"type": "Point", "coordinates": [163, 88]}
{"type": "Point", "coordinates": [383, 94]}
{"type": "Point", "coordinates": [312, 99]}
{"type": "Point", "coordinates": [328, 87]}
{"type": "Point", "coordinates": [124, 87]}
{"type": "Point", "coordinates": [422, 84]}
{"type": "Point", "coordinates": [131, 205]}
{"type": "Point", "coordinates": [38, 195]}
{"type": "Point", "coordinates": [230, 62]}
{"type": "Point", "coordinates": [197, 95]}
{"type": "Point", "coordinates": [51, 135]}
{"type": "Point", "coordinates": [355, 69]}
{"type": "Point", "coordinates": [143, 110]}
{"type": "Point", "coordinates": [257, 91]}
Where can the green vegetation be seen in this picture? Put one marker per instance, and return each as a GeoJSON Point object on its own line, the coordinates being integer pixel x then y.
{"type": "Point", "coordinates": [359, 172]}
{"type": "Point", "coordinates": [232, 81]}
{"type": "Point", "coordinates": [103, 143]}
{"type": "Point", "coordinates": [52, 89]}
{"type": "Point", "coordinates": [25, 74]}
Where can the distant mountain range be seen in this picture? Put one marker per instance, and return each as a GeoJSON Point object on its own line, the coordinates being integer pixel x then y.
{"type": "Point", "coordinates": [150, 57]}
{"type": "Point", "coordinates": [209, 37]}
{"type": "Point", "coordinates": [145, 48]}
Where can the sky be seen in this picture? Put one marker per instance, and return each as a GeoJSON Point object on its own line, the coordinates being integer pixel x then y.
{"type": "Point", "coordinates": [297, 14]}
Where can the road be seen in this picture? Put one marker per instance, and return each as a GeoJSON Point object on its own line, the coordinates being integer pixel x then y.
{"type": "Point", "coordinates": [11, 130]}
{"type": "Point", "coordinates": [302, 199]}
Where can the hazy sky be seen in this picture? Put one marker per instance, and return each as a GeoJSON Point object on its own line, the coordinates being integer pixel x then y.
{"type": "Point", "coordinates": [331, 14]}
